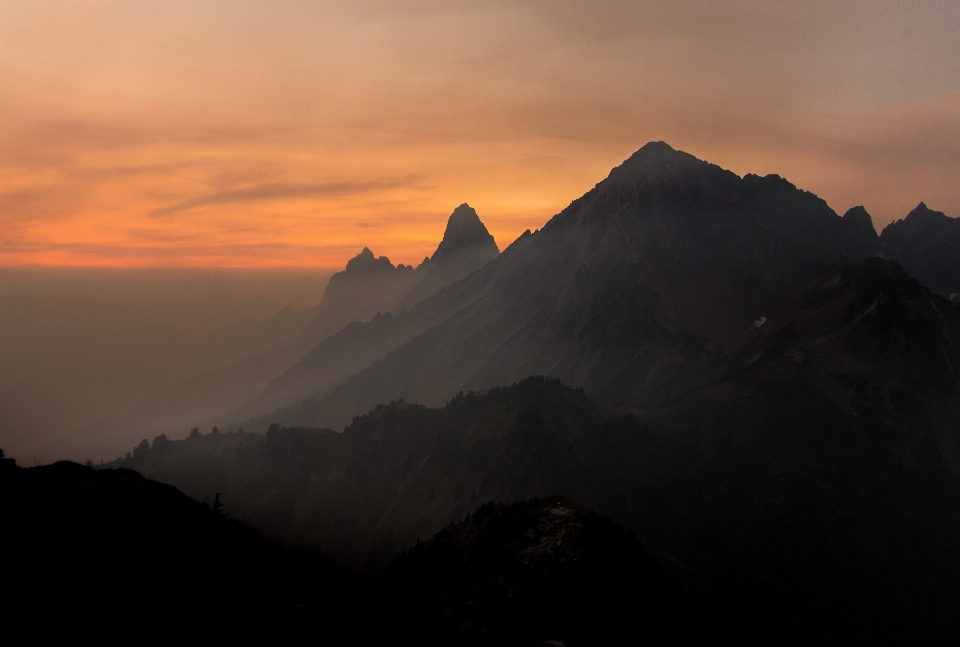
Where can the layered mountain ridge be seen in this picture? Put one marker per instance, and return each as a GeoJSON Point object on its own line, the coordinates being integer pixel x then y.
{"type": "Point", "coordinates": [252, 354]}
{"type": "Point", "coordinates": [724, 365]}
{"type": "Point", "coordinates": [636, 292]}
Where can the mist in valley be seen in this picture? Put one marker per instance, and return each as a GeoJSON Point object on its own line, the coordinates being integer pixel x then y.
{"type": "Point", "coordinates": [78, 345]}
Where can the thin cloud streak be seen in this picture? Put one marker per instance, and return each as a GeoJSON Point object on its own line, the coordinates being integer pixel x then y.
{"type": "Point", "coordinates": [282, 191]}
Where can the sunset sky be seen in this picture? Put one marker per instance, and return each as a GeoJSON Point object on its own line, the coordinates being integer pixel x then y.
{"type": "Point", "coordinates": [291, 134]}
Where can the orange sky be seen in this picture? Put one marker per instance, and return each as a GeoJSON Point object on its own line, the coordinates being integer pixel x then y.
{"type": "Point", "coordinates": [270, 134]}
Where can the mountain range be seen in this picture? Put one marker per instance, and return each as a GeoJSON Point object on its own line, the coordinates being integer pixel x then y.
{"type": "Point", "coordinates": [637, 291]}
{"type": "Point", "coordinates": [765, 392]}
{"type": "Point", "coordinates": [246, 357]}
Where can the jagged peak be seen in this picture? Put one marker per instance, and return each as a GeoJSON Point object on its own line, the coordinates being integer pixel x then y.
{"type": "Point", "coordinates": [465, 230]}
{"type": "Point", "coordinates": [366, 262]}
{"type": "Point", "coordinates": [922, 211]}
{"type": "Point", "coordinates": [920, 219]}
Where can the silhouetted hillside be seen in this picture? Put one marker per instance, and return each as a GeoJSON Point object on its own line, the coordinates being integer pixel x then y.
{"type": "Point", "coordinates": [541, 570]}
{"type": "Point", "coordinates": [927, 244]}
{"type": "Point", "coordinates": [109, 548]}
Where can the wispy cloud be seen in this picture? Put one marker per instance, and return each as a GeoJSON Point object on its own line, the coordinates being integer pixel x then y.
{"type": "Point", "coordinates": [263, 192]}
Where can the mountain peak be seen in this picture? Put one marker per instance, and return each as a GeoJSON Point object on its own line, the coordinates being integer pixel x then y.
{"type": "Point", "coordinates": [926, 244]}
{"type": "Point", "coordinates": [653, 159]}
{"type": "Point", "coordinates": [465, 230]}
{"type": "Point", "coordinates": [922, 221]}
{"type": "Point", "coordinates": [366, 262]}
{"type": "Point", "coordinates": [924, 213]}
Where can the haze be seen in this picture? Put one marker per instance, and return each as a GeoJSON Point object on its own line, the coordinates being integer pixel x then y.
{"type": "Point", "coordinates": [79, 345]}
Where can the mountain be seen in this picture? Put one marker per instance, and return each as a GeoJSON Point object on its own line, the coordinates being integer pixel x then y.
{"type": "Point", "coordinates": [538, 570]}
{"type": "Point", "coordinates": [814, 480]}
{"type": "Point", "coordinates": [821, 503]}
{"type": "Point", "coordinates": [927, 244]}
{"type": "Point", "coordinates": [466, 247]}
{"type": "Point", "coordinates": [246, 357]}
{"type": "Point", "coordinates": [766, 404]}
{"type": "Point", "coordinates": [862, 223]}
{"type": "Point", "coordinates": [109, 547]}
{"type": "Point", "coordinates": [368, 286]}
{"type": "Point", "coordinates": [637, 291]}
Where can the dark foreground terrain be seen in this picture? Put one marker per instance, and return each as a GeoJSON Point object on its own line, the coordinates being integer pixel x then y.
{"type": "Point", "coordinates": [544, 569]}
{"type": "Point", "coordinates": [90, 549]}
{"type": "Point", "coordinates": [109, 548]}
{"type": "Point", "coordinates": [789, 507]}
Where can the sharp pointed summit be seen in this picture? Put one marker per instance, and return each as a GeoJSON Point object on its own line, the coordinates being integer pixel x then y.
{"type": "Point", "coordinates": [464, 231]}
{"type": "Point", "coordinates": [466, 247]}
